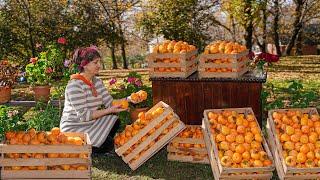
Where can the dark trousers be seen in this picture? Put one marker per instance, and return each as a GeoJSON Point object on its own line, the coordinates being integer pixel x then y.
{"type": "Point", "coordinates": [108, 143]}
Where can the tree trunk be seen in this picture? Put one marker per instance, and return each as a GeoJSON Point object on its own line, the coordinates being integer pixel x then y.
{"type": "Point", "coordinates": [233, 30]}
{"type": "Point", "coordinates": [264, 28]}
{"type": "Point", "coordinates": [113, 56]}
{"type": "Point", "coordinates": [276, 27]}
{"type": "Point", "coordinates": [249, 25]}
{"type": "Point", "coordinates": [299, 43]}
{"type": "Point", "coordinates": [123, 53]}
{"type": "Point", "coordinates": [297, 25]}
{"type": "Point", "coordinates": [123, 40]}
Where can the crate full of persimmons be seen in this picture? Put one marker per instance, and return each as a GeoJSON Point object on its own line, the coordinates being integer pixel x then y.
{"type": "Point", "coordinates": [147, 135]}
{"type": "Point", "coordinates": [172, 59]}
{"type": "Point", "coordinates": [235, 144]}
{"type": "Point", "coordinates": [188, 146]}
{"type": "Point", "coordinates": [44, 155]}
{"type": "Point", "coordinates": [293, 135]}
{"type": "Point", "coordinates": [223, 59]}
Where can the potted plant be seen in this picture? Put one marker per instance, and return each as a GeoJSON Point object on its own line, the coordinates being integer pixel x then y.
{"type": "Point", "coordinates": [8, 75]}
{"type": "Point", "coordinates": [132, 83]}
{"type": "Point", "coordinates": [39, 74]}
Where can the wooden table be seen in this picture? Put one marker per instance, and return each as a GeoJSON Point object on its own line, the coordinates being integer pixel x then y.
{"type": "Point", "coordinates": [189, 97]}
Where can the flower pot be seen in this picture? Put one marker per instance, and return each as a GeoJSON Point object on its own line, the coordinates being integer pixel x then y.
{"type": "Point", "coordinates": [5, 94]}
{"type": "Point", "coordinates": [41, 93]}
{"type": "Point", "coordinates": [134, 113]}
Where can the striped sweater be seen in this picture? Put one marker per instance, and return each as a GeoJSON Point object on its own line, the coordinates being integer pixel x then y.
{"type": "Point", "coordinates": [78, 107]}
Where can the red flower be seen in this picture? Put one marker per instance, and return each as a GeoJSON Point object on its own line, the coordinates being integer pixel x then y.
{"type": "Point", "coordinates": [33, 60]}
{"type": "Point", "coordinates": [62, 40]}
{"type": "Point", "coordinates": [268, 57]}
{"type": "Point", "coordinates": [49, 70]}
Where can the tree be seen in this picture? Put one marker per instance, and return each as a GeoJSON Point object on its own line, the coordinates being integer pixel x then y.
{"type": "Point", "coordinates": [186, 20]}
{"type": "Point", "coordinates": [275, 27]}
{"type": "Point", "coordinates": [27, 24]}
{"type": "Point", "coordinates": [305, 11]}
{"type": "Point", "coordinates": [263, 26]}
{"type": "Point", "coordinates": [246, 13]}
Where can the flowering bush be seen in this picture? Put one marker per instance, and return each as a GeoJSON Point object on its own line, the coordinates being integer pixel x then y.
{"type": "Point", "coordinates": [39, 71]}
{"type": "Point", "coordinates": [132, 83]}
{"type": "Point", "coordinates": [48, 64]}
{"type": "Point", "coordinates": [8, 73]}
{"type": "Point", "coordinates": [10, 120]}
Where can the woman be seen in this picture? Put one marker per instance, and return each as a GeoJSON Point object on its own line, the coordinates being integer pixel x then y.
{"type": "Point", "coordinates": [84, 95]}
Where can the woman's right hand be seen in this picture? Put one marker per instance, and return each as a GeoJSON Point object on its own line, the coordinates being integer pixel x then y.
{"type": "Point", "coordinates": [116, 109]}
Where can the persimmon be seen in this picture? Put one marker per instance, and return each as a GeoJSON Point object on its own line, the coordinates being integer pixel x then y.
{"type": "Point", "coordinates": [239, 139]}
{"type": "Point", "coordinates": [240, 148]}
{"type": "Point", "coordinates": [304, 139]}
{"type": "Point", "coordinates": [257, 163]}
{"type": "Point", "coordinates": [226, 161]}
{"type": "Point", "coordinates": [290, 161]}
{"type": "Point", "coordinates": [55, 131]}
{"type": "Point", "coordinates": [267, 162]}
{"type": "Point", "coordinates": [230, 138]}
{"type": "Point", "coordinates": [301, 157]}
{"type": "Point", "coordinates": [236, 157]}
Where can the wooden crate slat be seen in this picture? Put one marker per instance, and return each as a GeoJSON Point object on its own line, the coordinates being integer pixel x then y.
{"type": "Point", "coordinates": [187, 55]}
{"type": "Point", "coordinates": [213, 162]}
{"type": "Point", "coordinates": [36, 174]}
{"type": "Point", "coordinates": [224, 56]}
{"type": "Point", "coordinates": [45, 148]}
{"type": "Point", "coordinates": [168, 110]}
{"type": "Point", "coordinates": [43, 162]}
{"type": "Point", "coordinates": [182, 63]}
{"type": "Point", "coordinates": [189, 159]}
{"type": "Point", "coordinates": [159, 145]}
{"type": "Point", "coordinates": [145, 143]}
{"type": "Point", "coordinates": [227, 170]}
{"type": "Point", "coordinates": [204, 74]}
{"type": "Point", "coordinates": [186, 150]}
{"type": "Point", "coordinates": [187, 140]}
{"type": "Point", "coordinates": [173, 74]}
{"type": "Point", "coordinates": [223, 65]}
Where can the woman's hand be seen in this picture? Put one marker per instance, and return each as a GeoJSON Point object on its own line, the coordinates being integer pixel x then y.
{"type": "Point", "coordinates": [116, 109]}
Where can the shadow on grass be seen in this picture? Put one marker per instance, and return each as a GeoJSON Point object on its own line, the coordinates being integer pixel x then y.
{"type": "Point", "coordinates": [155, 168]}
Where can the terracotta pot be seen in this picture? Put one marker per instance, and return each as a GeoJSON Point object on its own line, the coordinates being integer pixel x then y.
{"type": "Point", "coordinates": [41, 93]}
{"type": "Point", "coordinates": [134, 113]}
{"type": "Point", "coordinates": [5, 94]}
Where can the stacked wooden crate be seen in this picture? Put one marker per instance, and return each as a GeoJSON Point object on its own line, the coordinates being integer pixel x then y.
{"type": "Point", "coordinates": [218, 61]}
{"type": "Point", "coordinates": [44, 161]}
{"type": "Point", "coordinates": [188, 146]}
{"type": "Point", "coordinates": [235, 145]}
{"type": "Point", "coordinates": [148, 134]}
{"type": "Point", "coordinates": [173, 59]}
{"type": "Point", "coordinates": [293, 135]}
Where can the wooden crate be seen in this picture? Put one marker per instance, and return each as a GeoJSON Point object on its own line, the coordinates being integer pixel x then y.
{"type": "Point", "coordinates": [47, 174]}
{"type": "Point", "coordinates": [187, 64]}
{"type": "Point", "coordinates": [231, 175]}
{"type": "Point", "coordinates": [129, 158]}
{"type": "Point", "coordinates": [237, 61]}
{"type": "Point", "coordinates": [283, 170]}
{"type": "Point", "coordinates": [221, 172]}
{"type": "Point", "coordinates": [192, 154]}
